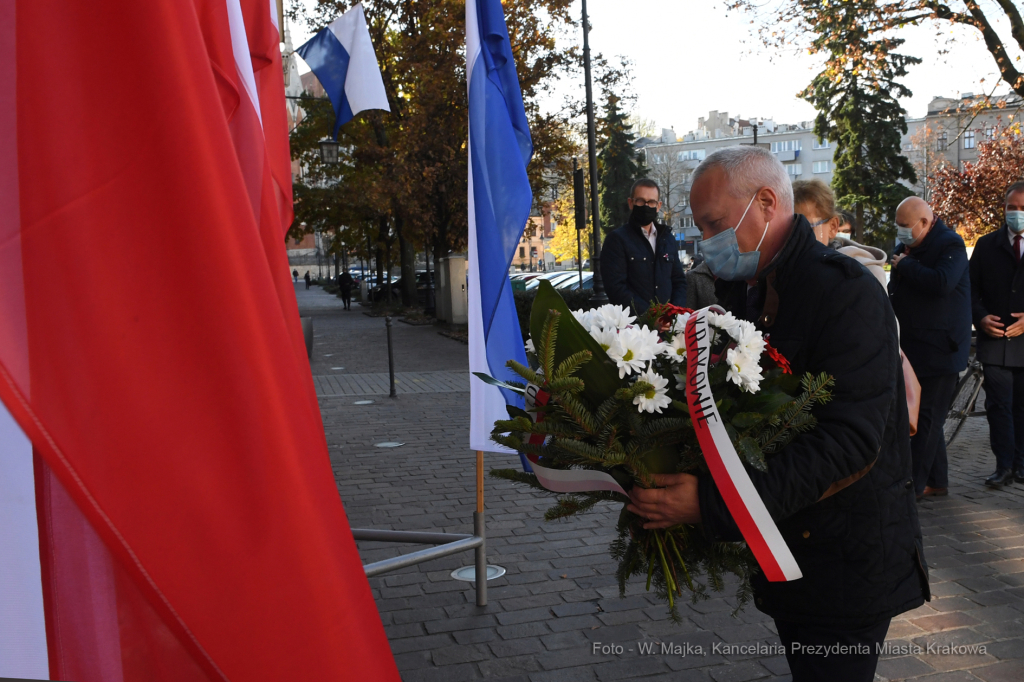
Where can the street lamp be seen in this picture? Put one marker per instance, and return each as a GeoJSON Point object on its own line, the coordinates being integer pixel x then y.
{"type": "Point", "coordinates": [329, 151]}
{"type": "Point", "coordinates": [599, 296]}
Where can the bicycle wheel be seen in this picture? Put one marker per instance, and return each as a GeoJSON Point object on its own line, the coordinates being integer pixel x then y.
{"type": "Point", "coordinates": [963, 400]}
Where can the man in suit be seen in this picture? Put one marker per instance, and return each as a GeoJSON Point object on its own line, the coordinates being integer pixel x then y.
{"type": "Point", "coordinates": [930, 291]}
{"type": "Point", "coordinates": [997, 297]}
{"type": "Point", "coordinates": [640, 260]}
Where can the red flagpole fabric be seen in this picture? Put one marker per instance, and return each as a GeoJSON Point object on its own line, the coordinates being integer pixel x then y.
{"type": "Point", "coordinates": [190, 523]}
{"type": "Point", "coordinates": [264, 47]}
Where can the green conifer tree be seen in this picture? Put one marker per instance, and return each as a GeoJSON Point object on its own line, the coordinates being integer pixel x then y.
{"type": "Point", "coordinates": [855, 96]}
{"type": "Point", "coordinates": [617, 163]}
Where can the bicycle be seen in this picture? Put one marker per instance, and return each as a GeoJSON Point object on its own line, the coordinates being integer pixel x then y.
{"type": "Point", "coordinates": [964, 398]}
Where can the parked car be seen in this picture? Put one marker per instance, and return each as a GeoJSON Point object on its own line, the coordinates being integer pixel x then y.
{"type": "Point", "coordinates": [573, 283]}
{"type": "Point", "coordinates": [423, 285]}
{"type": "Point", "coordinates": [552, 277]}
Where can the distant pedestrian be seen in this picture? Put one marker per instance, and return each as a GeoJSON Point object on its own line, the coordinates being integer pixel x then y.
{"type": "Point", "coordinates": [295, 276]}
{"type": "Point", "coordinates": [308, 279]}
{"type": "Point", "coordinates": [345, 283]}
{"type": "Point", "coordinates": [997, 292]}
{"type": "Point", "coordinates": [930, 291]}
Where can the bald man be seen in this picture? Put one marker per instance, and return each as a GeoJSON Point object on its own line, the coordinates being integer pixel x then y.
{"type": "Point", "coordinates": [930, 290]}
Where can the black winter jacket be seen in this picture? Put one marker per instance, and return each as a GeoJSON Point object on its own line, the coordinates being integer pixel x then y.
{"type": "Point", "coordinates": [930, 292]}
{"type": "Point", "coordinates": [859, 549]}
{"type": "Point", "coordinates": [636, 276]}
{"type": "Point", "coordinates": [997, 288]}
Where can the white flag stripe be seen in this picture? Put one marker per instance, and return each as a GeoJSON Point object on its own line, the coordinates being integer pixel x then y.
{"type": "Point", "coordinates": [240, 49]}
{"type": "Point", "coordinates": [364, 85]}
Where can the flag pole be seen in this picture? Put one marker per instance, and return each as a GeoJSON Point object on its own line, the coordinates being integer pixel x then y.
{"type": "Point", "coordinates": [478, 529]}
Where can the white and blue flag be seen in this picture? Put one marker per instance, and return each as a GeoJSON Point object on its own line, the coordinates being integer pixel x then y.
{"type": "Point", "coordinates": [343, 60]}
{"type": "Point", "coordinates": [500, 147]}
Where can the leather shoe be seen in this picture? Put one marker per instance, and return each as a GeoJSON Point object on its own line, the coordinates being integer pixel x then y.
{"type": "Point", "coordinates": [934, 492]}
{"type": "Point", "coordinates": [1018, 475]}
{"type": "Point", "coordinates": [1000, 478]}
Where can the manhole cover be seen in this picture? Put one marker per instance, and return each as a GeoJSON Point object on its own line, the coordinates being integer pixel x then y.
{"type": "Point", "coordinates": [363, 402]}
{"type": "Point", "coordinates": [389, 444]}
{"type": "Point", "coordinates": [468, 573]}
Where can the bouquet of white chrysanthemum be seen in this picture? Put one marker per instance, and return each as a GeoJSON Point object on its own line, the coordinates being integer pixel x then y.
{"type": "Point", "coordinates": [605, 392]}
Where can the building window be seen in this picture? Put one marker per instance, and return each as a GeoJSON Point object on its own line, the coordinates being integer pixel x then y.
{"type": "Point", "coordinates": [969, 139]}
{"type": "Point", "coordinates": [821, 167]}
{"type": "Point", "coordinates": [795, 169]}
{"type": "Point", "coordinates": [522, 252]}
{"type": "Point", "coordinates": [823, 144]}
{"type": "Point", "coordinates": [786, 146]}
{"type": "Point", "coordinates": [990, 134]}
{"type": "Point", "coordinates": [942, 142]}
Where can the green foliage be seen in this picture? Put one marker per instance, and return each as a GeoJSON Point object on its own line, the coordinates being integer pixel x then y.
{"type": "Point", "coordinates": [589, 421]}
{"type": "Point", "coordinates": [856, 97]}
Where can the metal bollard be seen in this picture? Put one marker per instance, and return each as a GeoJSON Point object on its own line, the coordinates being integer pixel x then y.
{"type": "Point", "coordinates": [391, 356]}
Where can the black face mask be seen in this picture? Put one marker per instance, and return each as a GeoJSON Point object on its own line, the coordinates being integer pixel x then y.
{"type": "Point", "coordinates": [643, 215]}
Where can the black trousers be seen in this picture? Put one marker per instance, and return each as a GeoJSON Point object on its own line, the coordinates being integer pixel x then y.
{"type": "Point", "coordinates": [346, 297]}
{"type": "Point", "coordinates": [928, 446]}
{"type": "Point", "coordinates": [1004, 406]}
{"type": "Point", "coordinates": [824, 654]}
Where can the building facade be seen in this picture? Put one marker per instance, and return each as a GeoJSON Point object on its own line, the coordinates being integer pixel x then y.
{"type": "Point", "coordinates": [672, 160]}
{"type": "Point", "coordinates": [948, 134]}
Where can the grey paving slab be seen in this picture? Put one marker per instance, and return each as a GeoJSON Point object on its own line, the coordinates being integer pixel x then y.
{"type": "Point", "coordinates": [558, 599]}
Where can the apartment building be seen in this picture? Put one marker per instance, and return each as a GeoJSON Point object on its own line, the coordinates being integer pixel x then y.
{"type": "Point", "coordinates": [672, 160]}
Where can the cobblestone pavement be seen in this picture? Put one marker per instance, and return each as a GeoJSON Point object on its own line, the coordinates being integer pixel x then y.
{"type": "Point", "coordinates": [558, 599]}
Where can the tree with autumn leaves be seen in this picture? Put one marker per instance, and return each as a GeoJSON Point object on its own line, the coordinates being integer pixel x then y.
{"type": "Point", "coordinates": [402, 181]}
{"type": "Point", "coordinates": [789, 23]}
{"type": "Point", "coordinates": [858, 112]}
{"type": "Point", "coordinates": [972, 199]}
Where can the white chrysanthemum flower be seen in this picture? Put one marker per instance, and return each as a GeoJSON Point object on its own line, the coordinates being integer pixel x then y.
{"type": "Point", "coordinates": [608, 338]}
{"type": "Point", "coordinates": [676, 349]}
{"type": "Point", "coordinates": [611, 316]}
{"type": "Point", "coordinates": [656, 399]}
{"type": "Point", "coordinates": [584, 318]}
{"type": "Point", "coordinates": [636, 347]}
{"type": "Point", "coordinates": [529, 346]}
{"type": "Point", "coordinates": [679, 325]}
{"type": "Point", "coordinates": [680, 382]}
{"type": "Point", "coordinates": [744, 370]}
{"type": "Point", "coordinates": [727, 322]}
{"type": "Point", "coordinates": [750, 341]}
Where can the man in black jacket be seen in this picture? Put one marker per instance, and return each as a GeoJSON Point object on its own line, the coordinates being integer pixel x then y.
{"type": "Point", "coordinates": [840, 494]}
{"type": "Point", "coordinates": [997, 302]}
{"type": "Point", "coordinates": [640, 260]}
{"type": "Point", "coordinates": [930, 290]}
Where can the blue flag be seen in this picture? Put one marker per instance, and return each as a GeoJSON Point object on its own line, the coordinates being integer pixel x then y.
{"type": "Point", "coordinates": [499, 206]}
{"type": "Point", "coordinates": [343, 60]}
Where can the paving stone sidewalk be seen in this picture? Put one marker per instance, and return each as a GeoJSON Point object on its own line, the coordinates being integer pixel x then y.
{"type": "Point", "coordinates": [558, 599]}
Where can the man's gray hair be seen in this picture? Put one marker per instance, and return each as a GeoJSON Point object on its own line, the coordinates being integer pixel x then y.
{"type": "Point", "coordinates": [748, 169]}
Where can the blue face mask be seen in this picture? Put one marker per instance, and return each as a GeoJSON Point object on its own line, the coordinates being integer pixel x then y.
{"type": "Point", "coordinates": [724, 258]}
{"type": "Point", "coordinates": [1015, 221]}
{"type": "Point", "coordinates": [905, 235]}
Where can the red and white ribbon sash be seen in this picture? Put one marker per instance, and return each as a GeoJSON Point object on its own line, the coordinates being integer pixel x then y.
{"type": "Point", "coordinates": [742, 499]}
{"type": "Point", "coordinates": [562, 480]}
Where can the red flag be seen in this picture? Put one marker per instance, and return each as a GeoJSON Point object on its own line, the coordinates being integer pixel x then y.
{"type": "Point", "coordinates": [191, 525]}
{"type": "Point", "coordinates": [264, 37]}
